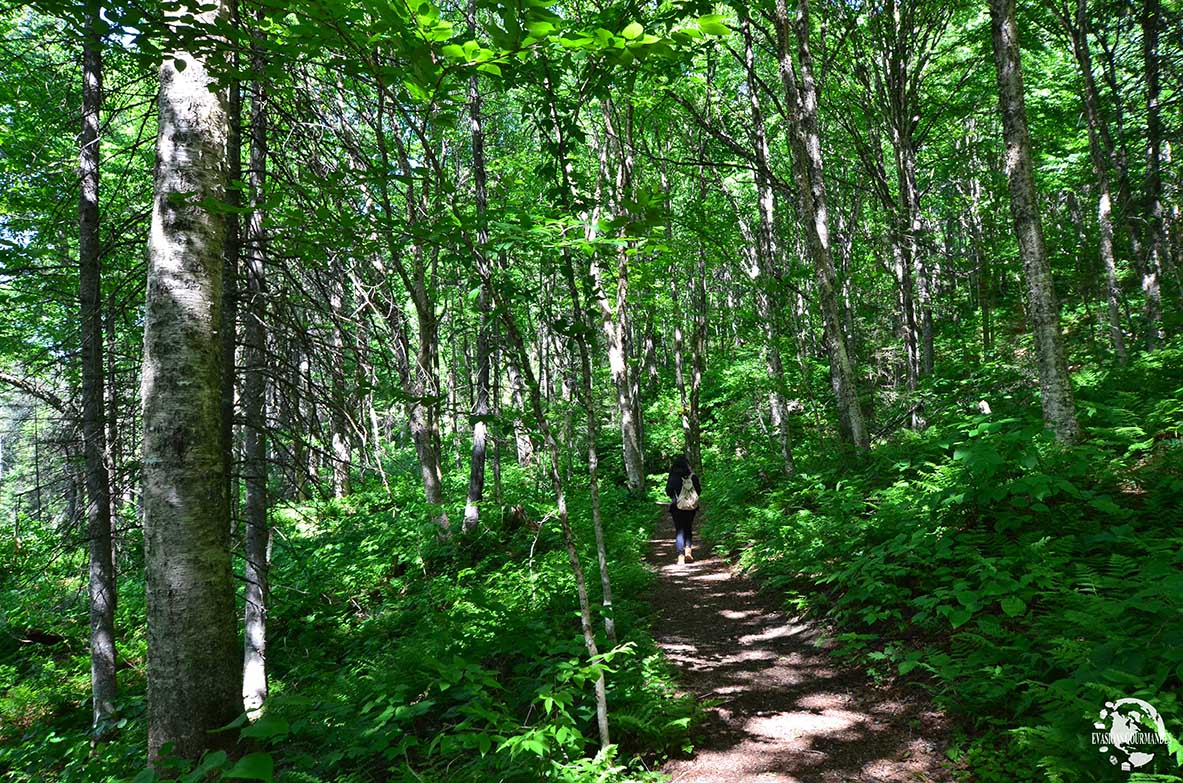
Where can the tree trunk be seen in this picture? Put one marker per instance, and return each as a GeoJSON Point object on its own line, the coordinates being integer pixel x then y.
{"type": "Point", "coordinates": [910, 197]}
{"type": "Point", "coordinates": [257, 543]}
{"type": "Point", "coordinates": [307, 411]}
{"type": "Point", "coordinates": [698, 337]}
{"type": "Point", "coordinates": [589, 635]}
{"type": "Point", "coordinates": [1059, 410]}
{"type": "Point", "coordinates": [680, 366]}
{"type": "Point", "coordinates": [480, 408]}
{"type": "Point", "coordinates": [1155, 236]}
{"type": "Point", "coordinates": [295, 424]}
{"type": "Point", "coordinates": [983, 274]}
{"type": "Point", "coordinates": [523, 443]}
{"type": "Point", "coordinates": [118, 487]}
{"type": "Point", "coordinates": [342, 456]}
{"type": "Point", "coordinates": [231, 257]}
{"type": "Point", "coordinates": [698, 353]}
{"type": "Point", "coordinates": [766, 254]}
{"type": "Point", "coordinates": [193, 674]}
{"type": "Point", "coordinates": [587, 398]}
{"type": "Point", "coordinates": [1078, 33]}
{"type": "Point", "coordinates": [805, 140]}
{"type": "Point", "coordinates": [424, 416]}
{"type": "Point", "coordinates": [98, 485]}
{"type": "Point", "coordinates": [497, 408]}
{"type": "Point", "coordinates": [614, 320]}
{"type": "Point", "coordinates": [1119, 154]}
{"type": "Point", "coordinates": [679, 326]}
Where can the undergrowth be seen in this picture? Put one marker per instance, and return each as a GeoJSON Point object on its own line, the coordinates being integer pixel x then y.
{"type": "Point", "coordinates": [1026, 584]}
{"type": "Point", "coordinates": [393, 655]}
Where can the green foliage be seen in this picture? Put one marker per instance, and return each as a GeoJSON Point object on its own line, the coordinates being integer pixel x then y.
{"type": "Point", "coordinates": [390, 650]}
{"type": "Point", "coordinates": [1024, 583]}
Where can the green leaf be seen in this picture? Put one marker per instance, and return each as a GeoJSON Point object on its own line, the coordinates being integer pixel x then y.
{"type": "Point", "coordinates": [1013, 606]}
{"type": "Point", "coordinates": [210, 761]}
{"type": "Point", "coordinates": [712, 24]}
{"type": "Point", "coordinates": [540, 29]}
{"type": "Point", "coordinates": [1105, 505]}
{"type": "Point", "coordinates": [632, 31]}
{"type": "Point", "coordinates": [489, 68]}
{"type": "Point", "coordinates": [576, 43]}
{"type": "Point", "coordinates": [959, 616]}
{"type": "Point", "coordinates": [266, 727]}
{"type": "Point", "coordinates": [256, 766]}
{"type": "Point", "coordinates": [967, 598]}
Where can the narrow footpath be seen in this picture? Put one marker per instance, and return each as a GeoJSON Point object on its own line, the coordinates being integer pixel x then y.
{"type": "Point", "coordinates": [780, 710]}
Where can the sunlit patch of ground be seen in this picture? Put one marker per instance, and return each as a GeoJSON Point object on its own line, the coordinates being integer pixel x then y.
{"type": "Point", "coordinates": [783, 711]}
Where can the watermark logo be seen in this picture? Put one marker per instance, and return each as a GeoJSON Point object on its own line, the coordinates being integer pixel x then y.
{"type": "Point", "coordinates": [1129, 732]}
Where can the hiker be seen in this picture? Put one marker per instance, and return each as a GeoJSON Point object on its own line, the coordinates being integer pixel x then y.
{"type": "Point", "coordinates": [683, 488]}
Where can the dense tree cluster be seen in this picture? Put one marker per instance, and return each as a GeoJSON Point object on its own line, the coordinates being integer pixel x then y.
{"type": "Point", "coordinates": [258, 254]}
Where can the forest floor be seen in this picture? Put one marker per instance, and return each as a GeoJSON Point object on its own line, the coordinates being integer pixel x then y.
{"type": "Point", "coordinates": [779, 708]}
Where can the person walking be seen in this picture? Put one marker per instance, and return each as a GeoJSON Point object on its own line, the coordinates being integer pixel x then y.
{"type": "Point", "coordinates": [683, 488]}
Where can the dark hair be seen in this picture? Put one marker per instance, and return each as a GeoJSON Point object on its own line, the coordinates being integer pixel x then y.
{"type": "Point", "coordinates": [680, 466]}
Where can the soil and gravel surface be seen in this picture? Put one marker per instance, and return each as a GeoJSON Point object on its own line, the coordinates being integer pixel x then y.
{"type": "Point", "coordinates": [780, 709]}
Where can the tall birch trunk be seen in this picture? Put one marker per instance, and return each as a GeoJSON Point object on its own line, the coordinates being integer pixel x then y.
{"type": "Point", "coordinates": [1078, 33]}
{"type": "Point", "coordinates": [1156, 247]}
{"type": "Point", "coordinates": [805, 140]}
{"type": "Point", "coordinates": [98, 484]}
{"type": "Point", "coordinates": [257, 541]}
{"type": "Point", "coordinates": [587, 396]}
{"type": "Point", "coordinates": [766, 253]}
{"type": "Point", "coordinates": [480, 408]}
{"type": "Point", "coordinates": [523, 443]}
{"type": "Point", "coordinates": [614, 319]}
{"type": "Point", "coordinates": [589, 635]}
{"type": "Point", "coordinates": [193, 674]}
{"type": "Point", "coordinates": [342, 457]}
{"type": "Point", "coordinates": [1059, 410]}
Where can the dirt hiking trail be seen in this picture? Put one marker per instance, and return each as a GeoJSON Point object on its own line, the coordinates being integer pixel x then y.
{"type": "Point", "coordinates": [784, 711]}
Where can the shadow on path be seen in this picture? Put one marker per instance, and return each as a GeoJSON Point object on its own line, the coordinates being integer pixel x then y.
{"type": "Point", "coordinates": [784, 711]}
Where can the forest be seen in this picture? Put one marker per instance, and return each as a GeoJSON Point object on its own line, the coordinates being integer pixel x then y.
{"type": "Point", "coordinates": [345, 346]}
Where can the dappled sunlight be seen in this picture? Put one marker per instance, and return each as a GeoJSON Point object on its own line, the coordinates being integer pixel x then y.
{"type": "Point", "coordinates": [781, 709]}
{"type": "Point", "coordinates": [775, 632]}
{"type": "Point", "coordinates": [794, 725]}
{"type": "Point", "coordinates": [731, 614]}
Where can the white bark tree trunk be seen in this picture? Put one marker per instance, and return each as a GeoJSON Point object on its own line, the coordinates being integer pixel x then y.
{"type": "Point", "coordinates": [1156, 245]}
{"type": "Point", "coordinates": [480, 408]}
{"type": "Point", "coordinates": [1059, 409]}
{"type": "Point", "coordinates": [766, 254]}
{"type": "Point", "coordinates": [193, 674]}
{"type": "Point", "coordinates": [1078, 34]}
{"type": "Point", "coordinates": [257, 541]}
{"type": "Point", "coordinates": [614, 312]}
{"type": "Point", "coordinates": [805, 140]}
